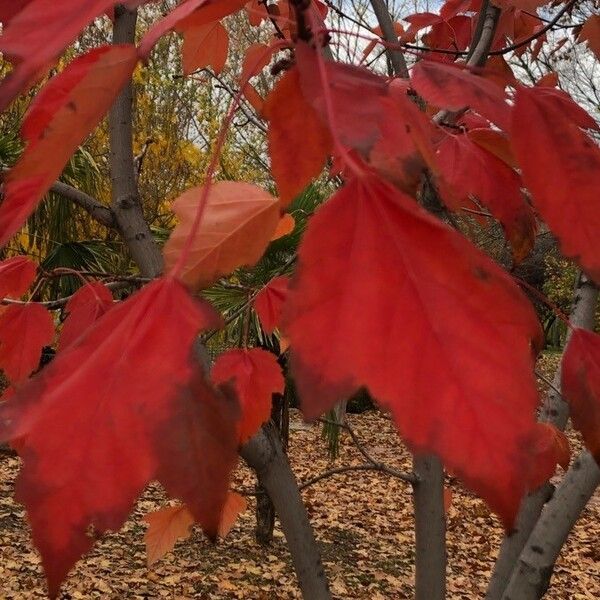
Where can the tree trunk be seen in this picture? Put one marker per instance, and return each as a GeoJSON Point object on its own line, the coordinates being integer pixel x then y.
{"type": "Point", "coordinates": [555, 411]}
{"type": "Point", "coordinates": [430, 528]}
{"type": "Point", "coordinates": [531, 577]}
{"type": "Point", "coordinates": [265, 511]}
{"type": "Point", "coordinates": [126, 205]}
{"type": "Point", "coordinates": [265, 455]}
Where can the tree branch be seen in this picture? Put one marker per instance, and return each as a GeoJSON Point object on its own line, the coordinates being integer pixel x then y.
{"type": "Point", "coordinates": [395, 56]}
{"type": "Point", "coordinates": [102, 214]}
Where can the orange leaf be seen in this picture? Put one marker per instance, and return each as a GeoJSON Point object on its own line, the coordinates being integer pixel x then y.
{"type": "Point", "coordinates": [447, 499]}
{"type": "Point", "coordinates": [172, 523]}
{"type": "Point", "coordinates": [16, 275]}
{"type": "Point", "coordinates": [560, 445]}
{"type": "Point", "coordinates": [286, 225]}
{"type": "Point", "coordinates": [254, 98]}
{"type": "Point", "coordinates": [84, 308]}
{"type": "Point", "coordinates": [257, 57]}
{"type": "Point", "coordinates": [24, 331]}
{"type": "Point", "coordinates": [269, 302]}
{"type": "Point", "coordinates": [204, 46]}
{"type": "Point", "coordinates": [581, 386]}
{"type": "Point", "coordinates": [61, 117]}
{"type": "Point", "coordinates": [128, 402]}
{"type": "Point", "coordinates": [256, 376]}
{"type": "Point", "coordinates": [389, 298]}
{"type": "Point", "coordinates": [548, 80]}
{"type": "Point", "coordinates": [299, 143]}
{"type": "Point", "coordinates": [562, 173]}
{"type": "Point", "coordinates": [238, 223]}
{"type": "Point", "coordinates": [234, 506]}
{"type": "Point", "coordinates": [166, 526]}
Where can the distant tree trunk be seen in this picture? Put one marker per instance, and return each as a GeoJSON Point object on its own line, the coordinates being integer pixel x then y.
{"type": "Point", "coordinates": [265, 511]}
{"type": "Point", "coordinates": [430, 528]}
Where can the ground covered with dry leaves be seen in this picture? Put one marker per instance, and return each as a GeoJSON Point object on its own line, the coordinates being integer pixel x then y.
{"type": "Point", "coordinates": [363, 521]}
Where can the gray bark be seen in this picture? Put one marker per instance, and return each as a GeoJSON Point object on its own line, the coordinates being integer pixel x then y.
{"type": "Point", "coordinates": [99, 212]}
{"type": "Point", "coordinates": [430, 528]}
{"type": "Point", "coordinates": [394, 55]}
{"type": "Point", "coordinates": [533, 572]}
{"type": "Point", "coordinates": [556, 412]}
{"type": "Point", "coordinates": [126, 205]}
{"type": "Point", "coordinates": [265, 511]}
{"type": "Point", "coordinates": [264, 454]}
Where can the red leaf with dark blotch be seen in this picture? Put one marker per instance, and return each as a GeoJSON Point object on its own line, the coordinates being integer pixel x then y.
{"type": "Point", "coordinates": [84, 308]}
{"type": "Point", "coordinates": [404, 148]}
{"type": "Point", "coordinates": [469, 170]}
{"type": "Point", "coordinates": [356, 124]}
{"type": "Point", "coordinates": [16, 275]}
{"type": "Point", "coordinates": [455, 88]}
{"type": "Point", "coordinates": [581, 386]}
{"type": "Point", "coordinates": [123, 405]}
{"type": "Point", "coordinates": [256, 376]}
{"type": "Point", "coordinates": [37, 35]}
{"type": "Point", "coordinates": [560, 166]}
{"type": "Point", "coordinates": [65, 112]}
{"type": "Point", "coordinates": [192, 13]}
{"type": "Point", "coordinates": [389, 298]}
{"type": "Point", "coordinates": [269, 302]}
{"type": "Point", "coordinates": [299, 142]}
{"type": "Point", "coordinates": [24, 331]}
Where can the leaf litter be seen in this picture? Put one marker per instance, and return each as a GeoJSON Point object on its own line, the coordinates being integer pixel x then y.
{"type": "Point", "coordinates": [363, 521]}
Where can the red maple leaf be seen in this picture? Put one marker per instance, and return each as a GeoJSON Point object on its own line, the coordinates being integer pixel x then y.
{"type": "Point", "coordinates": [122, 405]}
{"type": "Point", "coordinates": [256, 376]}
{"type": "Point", "coordinates": [24, 331]}
{"type": "Point", "coordinates": [389, 298]}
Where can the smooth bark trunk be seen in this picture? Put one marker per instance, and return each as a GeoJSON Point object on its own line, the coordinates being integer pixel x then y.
{"type": "Point", "coordinates": [430, 528]}
{"type": "Point", "coordinates": [533, 572]}
{"type": "Point", "coordinates": [265, 455]}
